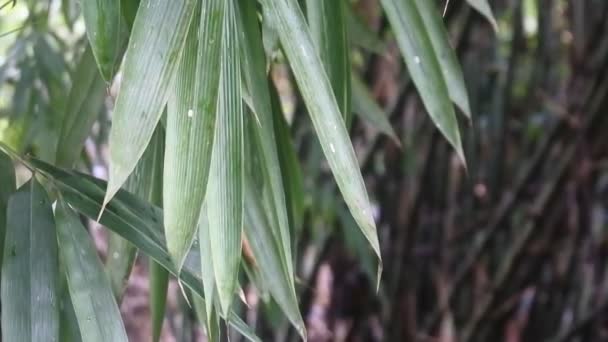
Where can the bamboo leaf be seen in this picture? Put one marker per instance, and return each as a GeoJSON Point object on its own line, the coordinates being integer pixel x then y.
{"type": "Point", "coordinates": [262, 135]}
{"type": "Point", "coordinates": [328, 28]}
{"type": "Point", "coordinates": [83, 105]}
{"type": "Point", "coordinates": [94, 304]}
{"type": "Point", "coordinates": [129, 10]}
{"type": "Point", "coordinates": [483, 7]}
{"type": "Point", "coordinates": [7, 188]}
{"type": "Point", "coordinates": [159, 283]}
{"type": "Point", "coordinates": [105, 25]}
{"type": "Point", "coordinates": [325, 113]}
{"type": "Point", "coordinates": [361, 35]}
{"type": "Point", "coordinates": [423, 66]}
{"type": "Point", "coordinates": [190, 129]}
{"type": "Point", "coordinates": [133, 219]}
{"type": "Point", "coordinates": [365, 105]}
{"type": "Point", "coordinates": [267, 253]}
{"type": "Point", "coordinates": [30, 311]}
{"type": "Point", "coordinates": [225, 192]}
{"type": "Point", "coordinates": [446, 55]}
{"type": "Point", "coordinates": [207, 271]}
{"type": "Point", "coordinates": [155, 46]}
{"type": "Point", "coordinates": [209, 318]}
{"type": "Point", "coordinates": [290, 167]}
{"type": "Point", "coordinates": [146, 183]}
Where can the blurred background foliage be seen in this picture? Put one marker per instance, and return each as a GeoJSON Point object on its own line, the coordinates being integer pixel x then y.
{"type": "Point", "coordinates": [513, 248]}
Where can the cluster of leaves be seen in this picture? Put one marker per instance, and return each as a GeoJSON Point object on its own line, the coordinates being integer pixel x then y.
{"type": "Point", "coordinates": [197, 129]}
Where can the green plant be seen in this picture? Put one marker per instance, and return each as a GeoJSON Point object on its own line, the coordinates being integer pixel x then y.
{"type": "Point", "coordinates": [199, 131]}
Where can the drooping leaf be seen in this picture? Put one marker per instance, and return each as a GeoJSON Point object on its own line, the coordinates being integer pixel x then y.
{"type": "Point", "coordinates": [30, 310]}
{"type": "Point", "coordinates": [267, 253]}
{"type": "Point", "coordinates": [446, 55]}
{"type": "Point", "coordinates": [209, 318]}
{"type": "Point", "coordinates": [207, 271]}
{"type": "Point", "coordinates": [225, 190]}
{"type": "Point", "coordinates": [129, 10]}
{"type": "Point", "coordinates": [146, 183]}
{"type": "Point", "coordinates": [133, 219]}
{"type": "Point", "coordinates": [105, 26]}
{"type": "Point", "coordinates": [94, 304]}
{"type": "Point", "coordinates": [361, 35]}
{"type": "Point", "coordinates": [190, 129]}
{"type": "Point", "coordinates": [150, 62]}
{"type": "Point", "coordinates": [159, 283]}
{"type": "Point", "coordinates": [7, 188]}
{"type": "Point", "coordinates": [262, 137]}
{"type": "Point", "coordinates": [324, 111]}
{"type": "Point", "coordinates": [328, 28]}
{"type": "Point", "coordinates": [290, 167]}
{"type": "Point", "coordinates": [483, 7]}
{"type": "Point", "coordinates": [424, 67]}
{"type": "Point", "coordinates": [365, 105]}
{"type": "Point", "coordinates": [83, 106]}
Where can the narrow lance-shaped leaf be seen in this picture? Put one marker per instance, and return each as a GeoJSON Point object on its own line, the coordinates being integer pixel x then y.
{"type": "Point", "coordinates": [190, 129]}
{"type": "Point", "coordinates": [94, 304]}
{"type": "Point", "coordinates": [129, 10]}
{"type": "Point", "coordinates": [225, 191]}
{"type": "Point", "coordinates": [361, 35]}
{"type": "Point", "coordinates": [210, 317]}
{"type": "Point", "coordinates": [483, 7]}
{"type": "Point", "coordinates": [159, 283]}
{"type": "Point", "coordinates": [146, 183]}
{"type": "Point", "coordinates": [83, 106]}
{"type": "Point", "coordinates": [365, 105]}
{"type": "Point", "coordinates": [104, 24]}
{"type": "Point", "coordinates": [262, 134]}
{"type": "Point", "coordinates": [452, 73]}
{"type": "Point", "coordinates": [267, 254]}
{"type": "Point", "coordinates": [324, 111]}
{"type": "Point", "coordinates": [159, 277]}
{"type": "Point", "coordinates": [290, 166]}
{"type": "Point", "coordinates": [327, 21]}
{"type": "Point", "coordinates": [7, 188]}
{"type": "Point", "coordinates": [423, 66]}
{"type": "Point", "coordinates": [155, 47]}
{"type": "Point", "coordinates": [132, 218]}
{"type": "Point", "coordinates": [30, 311]}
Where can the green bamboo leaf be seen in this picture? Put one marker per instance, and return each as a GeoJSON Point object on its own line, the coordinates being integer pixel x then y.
{"type": "Point", "coordinates": [290, 167]}
{"type": "Point", "coordinates": [7, 188]}
{"type": "Point", "coordinates": [325, 113]}
{"type": "Point", "coordinates": [146, 183]}
{"type": "Point", "coordinates": [361, 35]}
{"type": "Point", "coordinates": [423, 66]}
{"type": "Point", "coordinates": [207, 271]}
{"type": "Point", "coordinates": [159, 283]}
{"type": "Point", "coordinates": [328, 28]}
{"type": "Point", "coordinates": [483, 7]}
{"type": "Point", "coordinates": [133, 219]}
{"type": "Point", "coordinates": [129, 10]}
{"type": "Point", "coordinates": [445, 54]}
{"type": "Point", "coordinates": [209, 318]}
{"type": "Point", "coordinates": [365, 105]}
{"type": "Point", "coordinates": [267, 253]}
{"type": "Point", "coordinates": [262, 134]}
{"type": "Point", "coordinates": [30, 310]}
{"type": "Point", "coordinates": [105, 25]}
{"type": "Point", "coordinates": [225, 191]}
{"type": "Point", "coordinates": [94, 304]}
{"type": "Point", "coordinates": [155, 46]}
{"type": "Point", "coordinates": [190, 129]}
{"type": "Point", "coordinates": [83, 105]}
